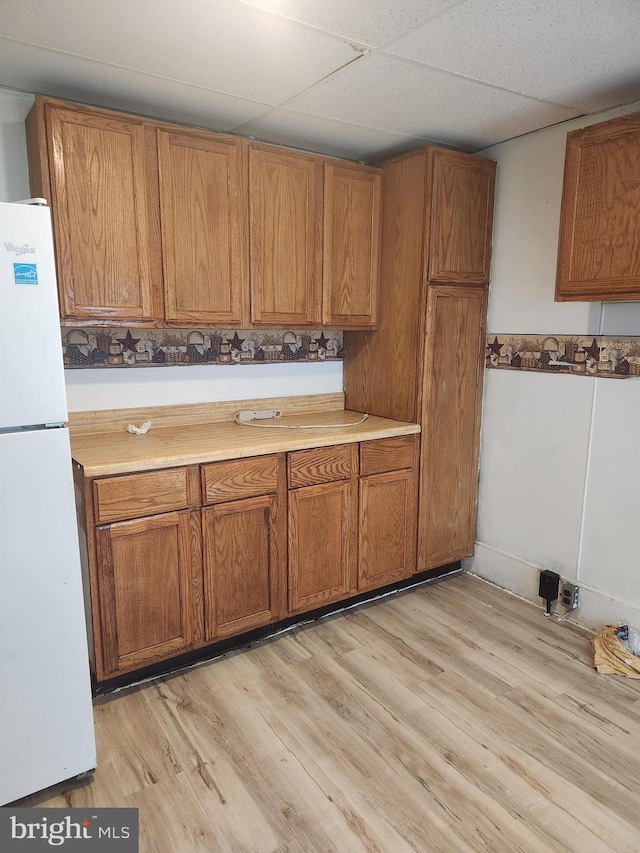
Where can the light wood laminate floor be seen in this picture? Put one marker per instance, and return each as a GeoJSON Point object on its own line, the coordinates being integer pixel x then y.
{"type": "Point", "coordinates": [453, 717]}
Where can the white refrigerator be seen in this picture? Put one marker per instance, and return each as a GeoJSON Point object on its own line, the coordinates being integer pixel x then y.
{"type": "Point", "coordinates": [46, 717]}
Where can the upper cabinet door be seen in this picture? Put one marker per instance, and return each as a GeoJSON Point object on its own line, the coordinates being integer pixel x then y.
{"type": "Point", "coordinates": [351, 246]}
{"type": "Point", "coordinates": [203, 218]}
{"type": "Point", "coordinates": [599, 247]}
{"type": "Point", "coordinates": [104, 204]}
{"type": "Point", "coordinates": [285, 217]}
{"type": "Point", "coordinates": [461, 220]}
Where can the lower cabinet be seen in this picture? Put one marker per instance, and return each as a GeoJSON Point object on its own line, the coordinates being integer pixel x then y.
{"type": "Point", "coordinates": [387, 511]}
{"type": "Point", "coordinates": [278, 534]}
{"type": "Point", "coordinates": [242, 566]}
{"type": "Point", "coordinates": [323, 513]}
{"type": "Point", "coordinates": [145, 588]}
{"type": "Point", "coordinates": [387, 529]}
{"type": "Point", "coordinates": [322, 557]}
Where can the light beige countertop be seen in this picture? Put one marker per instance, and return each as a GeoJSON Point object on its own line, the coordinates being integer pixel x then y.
{"type": "Point", "coordinates": [171, 443]}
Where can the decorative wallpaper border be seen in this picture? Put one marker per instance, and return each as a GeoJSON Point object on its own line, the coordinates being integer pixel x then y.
{"type": "Point", "coordinates": [104, 348]}
{"type": "Point", "coordinates": [605, 356]}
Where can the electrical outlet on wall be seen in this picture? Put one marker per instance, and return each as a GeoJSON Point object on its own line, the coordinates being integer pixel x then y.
{"type": "Point", "coordinates": [569, 595]}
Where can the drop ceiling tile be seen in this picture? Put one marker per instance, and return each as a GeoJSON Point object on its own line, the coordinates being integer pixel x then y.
{"type": "Point", "coordinates": [402, 97]}
{"type": "Point", "coordinates": [329, 136]}
{"type": "Point", "coordinates": [223, 45]}
{"type": "Point", "coordinates": [47, 72]}
{"type": "Point", "coordinates": [371, 22]}
{"type": "Point", "coordinates": [584, 53]}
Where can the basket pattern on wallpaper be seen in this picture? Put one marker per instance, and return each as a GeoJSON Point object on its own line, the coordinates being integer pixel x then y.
{"type": "Point", "coordinates": [94, 347]}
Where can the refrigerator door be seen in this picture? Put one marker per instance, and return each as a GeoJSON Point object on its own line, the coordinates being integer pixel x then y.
{"type": "Point", "coordinates": [46, 716]}
{"type": "Point", "coordinates": [31, 379]}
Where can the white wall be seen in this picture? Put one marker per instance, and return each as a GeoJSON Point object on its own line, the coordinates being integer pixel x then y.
{"type": "Point", "coordinates": [116, 389]}
{"type": "Point", "coordinates": [88, 390]}
{"type": "Point", "coordinates": [560, 457]}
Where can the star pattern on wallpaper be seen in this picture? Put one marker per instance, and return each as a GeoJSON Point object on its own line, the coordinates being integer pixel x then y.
{"type": "Point", "coordinates": [593, 351]}
{"type": "Point", "coordinates": [604, 356]}
{"type": "Point", "coordinates": [495, 347]}
{"type": "Point", "coordinates": [236, 342]}
{"type": "Point", "coordinates": [128, 343]}
{"type": "Point", "coordinates": [104, 348]}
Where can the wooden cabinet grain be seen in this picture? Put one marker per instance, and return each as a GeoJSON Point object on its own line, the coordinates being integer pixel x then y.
{"type": "Point", "coordinates": [425, 362]}
{"type": "Point", "coordinates": [161, 225]}
{"type": "Point", "coordinates": [98, 171]}
{"type": "Point", "coordinates": [135, 495]}
{"type": "Point", "coordinates": [386, 529]}
{"type": "Point", "coordinates": [169, 575]}
{"type": "Point", "coordinates": [243, 565]}
{"type": "Point", "coordinates": [387, 511]}
{"type": "Point", "coordinates": [203, 218]}
{"type": "Point", "coordinates": [451, 403]}
{"type": "Point", "coordinates": [145, 590]}
{"type": "Point", "coordinates": [460, 200]}
{"type": "Point", "coordinates": [285, 204]}
{"type": "Point", "coordinates": [244, 543]}
{"type": "Point", "coordinates": [599, 243]}
{"type": "Point", "coordinates": [322, 526]}
{"type": "Point", "coordinates": [351, 248]}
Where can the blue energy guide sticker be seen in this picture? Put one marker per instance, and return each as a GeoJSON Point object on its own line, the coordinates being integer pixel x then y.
{"type": "Point", "coordinates": [25, 273]}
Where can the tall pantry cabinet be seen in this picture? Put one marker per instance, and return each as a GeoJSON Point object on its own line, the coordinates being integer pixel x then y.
{"type": "Point", "coordinates": [425, 362]}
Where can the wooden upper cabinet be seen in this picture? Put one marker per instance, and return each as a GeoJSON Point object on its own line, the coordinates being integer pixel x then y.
{"type": "Point", "coordinates": [285, 198]}
{"type": "Point", "coordinates": [158, 225]}
{"type": "Point", "coordinates": [459, 228]}
{"type": "Point", "coordinates": [203, 218]}
{"type": "Point", "coordinates": [599, 246]}
{"type": "Point", "coordinates": [351, 258]}
{"type": "Point", "coordinates": [104, 208]}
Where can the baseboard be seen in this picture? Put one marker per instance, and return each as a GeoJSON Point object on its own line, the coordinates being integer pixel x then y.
{"type": "Point", "coordinates": [521, 577]}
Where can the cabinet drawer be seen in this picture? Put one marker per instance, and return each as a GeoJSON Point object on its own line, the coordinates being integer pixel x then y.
{"type": "Point", "coordinates": [239, 478]}
{"type": "Point", "coordinates": [322, 465]}
{"type": "Point", "coordinates": [387, 454]}
{"type": "Point", "coordinates": [137, 495]}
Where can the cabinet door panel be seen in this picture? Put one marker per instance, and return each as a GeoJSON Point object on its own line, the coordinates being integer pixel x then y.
{"type": "Point", "coordinates": [242, 566]}
{"type": "Point", "coordinates": [599, 247]}
{"type": "Point", "coordinates": [461, 218]}
{"type": "Point", "coordinates": [321, 544]}
{"type": "Point", "coordinates": [145, 574]}
{"type": "Point", "coordinates": [105, 217]}
{"type": "Point", "coordinates": [351, 246]}
{"type": "Point", "coordinates": [284, 225]}
{"type": "Point", "coordinates": [203, 217]}
{"type": "Point", "coordinates": [451, 408]}
{"type": "Point", "coordinates": [387, 528]}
